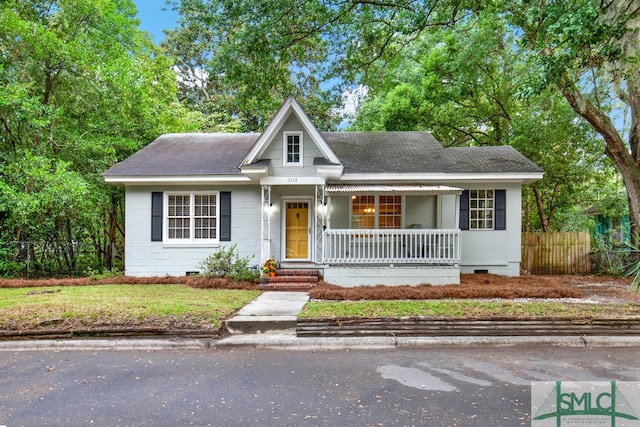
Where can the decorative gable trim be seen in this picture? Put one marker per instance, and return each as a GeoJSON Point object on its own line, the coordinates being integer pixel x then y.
{"type": "Point", "coordinates": [289, 106]}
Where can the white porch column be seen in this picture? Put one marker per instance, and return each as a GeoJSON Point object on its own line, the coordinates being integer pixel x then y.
{"type": "Point", "coordinates": [320, 215]}
{"type": "Point", "coordinates": [265, 232]}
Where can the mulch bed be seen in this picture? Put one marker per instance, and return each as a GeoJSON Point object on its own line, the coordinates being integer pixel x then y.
{"type": "Point", "coordinates": [193, 281]}
{"type": "Point", "coordinates": [483, 286]}
{"type": "Point", "coordinates": [530, 290]}
{"type": "Point", "coordinates": [471, 286]}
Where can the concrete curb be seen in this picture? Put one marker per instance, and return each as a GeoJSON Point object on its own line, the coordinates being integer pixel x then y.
{"type": "Point", "coordinates": [120, 344]}
{"type": "Point", "coordinates": [291, 342]}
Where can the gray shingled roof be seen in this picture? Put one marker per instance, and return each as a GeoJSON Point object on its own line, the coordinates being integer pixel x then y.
{"type": "Point", "coordinates": [188, 154]}
{"type": "Point", "coordinates": [489, 159]}
{"type": "Point", "coordinates": [360, 152]}
{"type": "Point", "coordinates": [420, 152]}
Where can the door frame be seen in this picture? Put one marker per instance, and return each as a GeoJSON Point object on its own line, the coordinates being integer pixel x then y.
{"type": "Point", "coordinates": [283, 221]}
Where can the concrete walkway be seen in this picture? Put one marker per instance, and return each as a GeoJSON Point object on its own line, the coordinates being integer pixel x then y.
{"type": "Point", "coordinates": [270, 313]}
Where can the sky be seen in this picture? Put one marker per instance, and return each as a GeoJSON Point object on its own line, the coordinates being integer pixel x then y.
{"type": "Point", "coordinates": [154, 19]}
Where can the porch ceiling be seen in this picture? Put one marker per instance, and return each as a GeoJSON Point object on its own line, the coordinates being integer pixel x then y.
{"type": "Point", "coordinates": [381, 188]}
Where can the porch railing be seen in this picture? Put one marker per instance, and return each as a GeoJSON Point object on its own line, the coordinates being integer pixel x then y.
{"type": "Point", "coordinates": [405, 246]}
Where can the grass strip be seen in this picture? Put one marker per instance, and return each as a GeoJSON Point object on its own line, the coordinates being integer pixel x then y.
{"type": "Point", "coordinates": [461, 308]}
{"type": "Point", "coordinates": [171, 306]}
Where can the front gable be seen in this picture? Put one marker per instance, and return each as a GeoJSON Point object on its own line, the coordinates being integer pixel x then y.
{"type": "Point", "coordinates": [291, 146]}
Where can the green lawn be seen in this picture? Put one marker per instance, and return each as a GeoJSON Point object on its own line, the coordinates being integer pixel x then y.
{"type": "Point", "coordinates": [461, 308]}
{"type": "Point", "coordinates": [184, 307]}
{"type": "Point", "coordinates": [73, 307]}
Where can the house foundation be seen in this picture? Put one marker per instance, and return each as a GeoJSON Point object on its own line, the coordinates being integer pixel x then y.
{"type": "Point", "coordinates": [392, 275]}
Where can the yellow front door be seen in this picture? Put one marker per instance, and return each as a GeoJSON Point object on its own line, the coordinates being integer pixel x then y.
{"type": "Point", "coordinates": [297, 231]}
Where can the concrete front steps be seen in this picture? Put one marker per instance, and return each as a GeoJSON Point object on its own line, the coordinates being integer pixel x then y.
{"type": "Point", "coordinates": [291, 280]}
{"type": "Point", "coordinates": [276, 312]}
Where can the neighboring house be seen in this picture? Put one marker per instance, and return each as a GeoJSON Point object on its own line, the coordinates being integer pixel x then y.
{"type": "Point", "coordinates": [609, 229]}
{"type": "Point", "coordinates": [362, 207]}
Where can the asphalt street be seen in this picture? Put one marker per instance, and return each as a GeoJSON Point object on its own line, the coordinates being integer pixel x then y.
{"type": "Point", "coordinates": [242, 386]}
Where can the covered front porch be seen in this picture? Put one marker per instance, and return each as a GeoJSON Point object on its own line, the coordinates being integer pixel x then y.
{"type": "Point", "coordinates": [377, 234]}
{"type": "Point", "coordinates": [390, 246]}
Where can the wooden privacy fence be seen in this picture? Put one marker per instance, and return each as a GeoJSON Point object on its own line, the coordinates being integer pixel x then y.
{"type": "Point", "coordinates": [556, 253]}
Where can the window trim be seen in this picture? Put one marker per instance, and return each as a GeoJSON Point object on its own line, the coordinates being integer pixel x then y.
{"type": "Point", "coordinates": [192, 239]}
{"type": "Point", "coordinates": [285, 148]}
{"type": "Point", "coordinates": [499, 210]}
{"type": "Point", "coordinates": [483, 209]}
{"type": "Point", "coordinates": [376, 214]}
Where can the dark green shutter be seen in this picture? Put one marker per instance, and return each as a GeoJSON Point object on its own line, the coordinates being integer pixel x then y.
{"type": "Point", "coordinates": [464, 210]}
{"type": "Point", "coordinates": [157, 202]}
{"type": "Point", "coordinates": [500, 197]}
{"type": "Point", "coordinates": [225, 216]}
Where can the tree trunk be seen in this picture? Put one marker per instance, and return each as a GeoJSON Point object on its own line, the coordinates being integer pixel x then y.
{"type": "Point", "coordinates": [544, 221]}
{"type": "Point", "coordinates": [112, 232]}
{"type": "Point", "coordinates": [616, 149]}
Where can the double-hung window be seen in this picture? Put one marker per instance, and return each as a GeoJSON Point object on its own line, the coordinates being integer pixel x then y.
{"type": "Point", "coordinates": [483, 209]}
{"type": "Point", "coordinates": [370, 211]}
{"type": "Point", "coordinates": [390, 211]}
{"type": "Point", "coordinates": [481, 205]}
{"type": "Point", "coordinates": [192, 217]}
{"type": "Point", "coordinates": [292, 148]}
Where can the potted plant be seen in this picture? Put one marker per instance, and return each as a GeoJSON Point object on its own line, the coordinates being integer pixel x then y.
{"type": "Point", "coordinates": [269, 267]}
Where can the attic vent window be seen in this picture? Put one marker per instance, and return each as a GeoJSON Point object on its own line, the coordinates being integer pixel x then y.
{"type": "Point", "coordinates": [293, 148]}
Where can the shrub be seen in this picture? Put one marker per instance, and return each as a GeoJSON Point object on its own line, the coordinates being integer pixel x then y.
{"type": "Point", "coordinates": [634, 267]}
{"type": "Point", "coordinates": [101, 274]}
{"type": "Point", "coordinates": [226, 263]}
{"type": "Point", "coordinates": [610, 258]}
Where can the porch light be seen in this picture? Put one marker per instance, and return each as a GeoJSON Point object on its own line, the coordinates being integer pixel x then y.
{"type": "Point", "coordinates": [269, 209]}
{"type": "Point", "coordinates": [322, 208]}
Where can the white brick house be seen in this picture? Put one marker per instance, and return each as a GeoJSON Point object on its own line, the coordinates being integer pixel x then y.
{"type": "Point", "coordinates": [362, 207]}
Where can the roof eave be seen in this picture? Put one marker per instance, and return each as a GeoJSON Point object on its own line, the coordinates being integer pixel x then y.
{"type": "Point", "coordinates": [330, 171]}
{"type": "Point", "coordinates": [177, 180]}
{"type": "Point", "coordinates": [255, 172]}
{"type": "Point", "coordinates": [407, 189]}
{"type": "Point", "coordinates": [506, 177]}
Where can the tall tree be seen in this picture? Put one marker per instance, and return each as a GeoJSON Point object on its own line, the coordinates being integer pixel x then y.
{"type": "Point", "coordinates": [237, 61]}
{"type": "Point", "coordinates": [80, 88]}
{"type": "Point", "coordinates": [462, 83]}
{"type": "Point", "coordinates": [588, 51]}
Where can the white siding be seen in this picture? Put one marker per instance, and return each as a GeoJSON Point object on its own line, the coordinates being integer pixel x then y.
{"type": "Point", "coordinates": [448, 211]}
{"type": "Point", "coordinates": [420, 210]}
{"type": "Point", "coordinates": [146, 258]}
{"type": "Point", "coordinates": [340, 212]}
{"type": "Point", "coordinates": [495, 251]}
{"type": "Point", "coordinates": [349, 277]}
